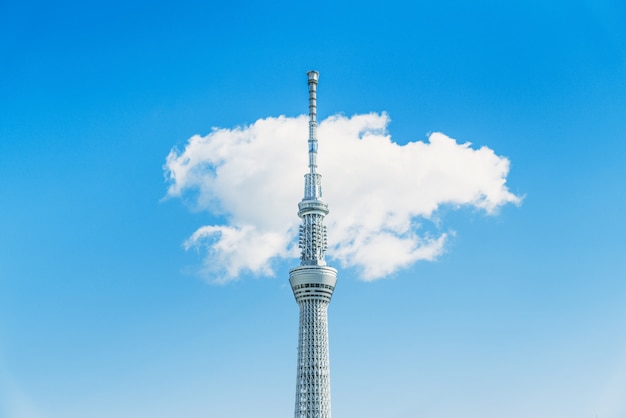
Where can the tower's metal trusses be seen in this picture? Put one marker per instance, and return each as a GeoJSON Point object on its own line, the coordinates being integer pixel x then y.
{"type": "Point", "coordinates": [313, 284]}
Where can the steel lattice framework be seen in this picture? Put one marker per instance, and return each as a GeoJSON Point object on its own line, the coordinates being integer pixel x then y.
{"type": "Point", "coordinates": [313, 283]}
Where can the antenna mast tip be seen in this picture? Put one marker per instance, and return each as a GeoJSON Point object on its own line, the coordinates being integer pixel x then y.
{"type": "Point", "coordinates": [313, 76]}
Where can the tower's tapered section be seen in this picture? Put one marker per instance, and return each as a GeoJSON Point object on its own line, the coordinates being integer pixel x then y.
{"type": "Point", "coordinates": [313, 284]}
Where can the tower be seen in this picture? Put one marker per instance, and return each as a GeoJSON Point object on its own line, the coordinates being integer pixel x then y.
{"type": "Point", "coordinates": [313, 283]}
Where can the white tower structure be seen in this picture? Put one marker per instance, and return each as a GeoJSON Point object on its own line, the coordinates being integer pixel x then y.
{"type": "Point", "coordinates": [313, 283]}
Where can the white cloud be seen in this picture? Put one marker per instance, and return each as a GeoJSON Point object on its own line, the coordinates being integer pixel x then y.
{"type": "Point", "coordinates": [377, 191]}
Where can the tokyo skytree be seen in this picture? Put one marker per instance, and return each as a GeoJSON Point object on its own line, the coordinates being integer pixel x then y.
{"type": "Point", "coordinates": [313, 283]}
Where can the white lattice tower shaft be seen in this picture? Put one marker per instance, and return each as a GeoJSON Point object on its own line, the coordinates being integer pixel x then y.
{"type": "Point", "coordinates": [313, 397]}
{"type": "Point", "coordinates": [313, 284]}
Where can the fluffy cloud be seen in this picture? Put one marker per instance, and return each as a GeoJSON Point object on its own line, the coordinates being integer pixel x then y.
{"type": "Point", "coordinates": [379, 192]}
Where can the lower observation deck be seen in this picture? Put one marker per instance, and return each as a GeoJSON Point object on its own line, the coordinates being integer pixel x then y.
{"type": "Point", "coordinates": [313, 282]}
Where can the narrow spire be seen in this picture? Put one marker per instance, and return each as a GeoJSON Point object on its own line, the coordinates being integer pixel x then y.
{"type": "Point", "coordinates": [313, 181]}
{"type": "Point", "coordinates": [313, 77]}
{"type": "Point", "coordinates": [312, 208]}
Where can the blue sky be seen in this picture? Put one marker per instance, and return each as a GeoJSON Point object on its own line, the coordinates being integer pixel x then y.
{"type": "Point", "coordinates": [103, 313]}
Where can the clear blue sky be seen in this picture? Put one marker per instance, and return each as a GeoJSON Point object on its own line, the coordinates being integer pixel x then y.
{"type": "Point", "coordinates": [101, 316]}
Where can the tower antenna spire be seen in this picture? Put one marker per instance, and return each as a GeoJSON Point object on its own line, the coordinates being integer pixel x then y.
{"type": "Point", "coordinates": [313, 80]}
